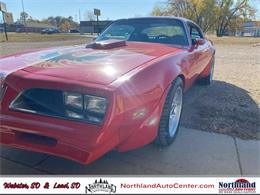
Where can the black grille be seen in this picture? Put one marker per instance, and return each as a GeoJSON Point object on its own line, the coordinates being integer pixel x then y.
{"type": "Point", "coordinates": [35, 139]}
{"type": "Point", "coordinates": [50, 102]}
{"type": "Point", "coordinates": [43, 101]}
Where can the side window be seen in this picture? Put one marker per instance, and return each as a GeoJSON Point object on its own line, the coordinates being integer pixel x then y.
{"type": "Point", "coordinates": [195, 33]}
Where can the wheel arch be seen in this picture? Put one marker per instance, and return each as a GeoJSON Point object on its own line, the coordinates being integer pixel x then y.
{"type": "Point", "coordinates": [149, 86]}
{"type": "Point", "coordinates": [183, 79]}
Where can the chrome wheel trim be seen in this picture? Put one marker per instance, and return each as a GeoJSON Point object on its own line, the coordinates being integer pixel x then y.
{"type": "Point", "coordinates": [175, 112]}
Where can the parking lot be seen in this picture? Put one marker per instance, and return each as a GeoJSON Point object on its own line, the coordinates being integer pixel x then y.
{"type": "Point", "coordinates": [219, 132]}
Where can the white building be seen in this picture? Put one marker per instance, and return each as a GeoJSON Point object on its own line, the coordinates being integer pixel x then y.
{"type": "Point", "coordinates": [249, 29]}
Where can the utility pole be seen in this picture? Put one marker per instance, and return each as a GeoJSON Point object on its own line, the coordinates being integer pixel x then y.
{"type": "Point", "coordinates": [4, 23]}
{"type": "Point", "coordinates": [97, 12]}
{"type": "Point", "coordinates": [24, 19]}
{"type": "Point", "coordinates": [3, 10]}
{"type": "Point", "coordinates": [79, 16]}
{"type": "Point", "coordinates": [97, 25]}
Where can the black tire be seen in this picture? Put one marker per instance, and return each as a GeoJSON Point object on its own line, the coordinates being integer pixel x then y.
{"type": "Point", "coordinates": [209, 79]}
{"type": "Point", "coordinates": [163, 136]}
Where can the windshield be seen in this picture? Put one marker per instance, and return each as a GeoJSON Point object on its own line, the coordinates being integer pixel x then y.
{"type": "Point", "coordinates": [166, 31]}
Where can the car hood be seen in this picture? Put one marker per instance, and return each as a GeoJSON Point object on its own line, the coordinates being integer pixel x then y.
{"type": "Point", "coordinates": [101, 66]}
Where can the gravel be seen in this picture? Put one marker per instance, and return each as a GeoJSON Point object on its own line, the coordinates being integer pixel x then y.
{"type": "Point", "coordinates": [231, 104]}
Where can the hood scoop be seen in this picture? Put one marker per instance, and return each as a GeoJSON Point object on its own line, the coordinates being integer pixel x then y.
{"type": "Point", "coordinates": [107, 44]}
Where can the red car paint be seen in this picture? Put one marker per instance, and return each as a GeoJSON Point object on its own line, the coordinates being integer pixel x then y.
{"type": "Point", "coordinates": [135, 79]}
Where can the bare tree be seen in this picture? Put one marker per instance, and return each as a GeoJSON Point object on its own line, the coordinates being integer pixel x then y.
{"type": "Point", "coordinates": [199, 11]}
{"type": "Point", "coordinates": [209, 14]}
{"type": "Point", "coordinates": [229, 10]}
{"type": "Point", "coordinates": [89, 15]}
{"type": "Point", "coordinates": [23, 16]}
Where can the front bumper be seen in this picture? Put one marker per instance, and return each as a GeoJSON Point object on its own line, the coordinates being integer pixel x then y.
{"type": "Point", "coordinates": [13, 138]}
{"type": "Point", "coordinates": [79, 141]}
{"type": "Point", "coordinates": [131, 121]}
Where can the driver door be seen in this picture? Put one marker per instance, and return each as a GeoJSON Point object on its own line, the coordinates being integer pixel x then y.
{"type": "Point", "coordinates": [200, 52]}
{"type": "Point", "coordinates": [197, 53]}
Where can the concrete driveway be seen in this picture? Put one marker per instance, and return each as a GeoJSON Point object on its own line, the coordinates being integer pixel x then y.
{"type": "Point", "coordinates": [193, 153]}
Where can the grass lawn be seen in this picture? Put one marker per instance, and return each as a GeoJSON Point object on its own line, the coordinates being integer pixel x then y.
{"type": "Point", "coordinates": [37, 37]}
{"type": "Point", "coordinates": [32, 37]}
{"type": "Point", "coordinates": [234, 40]}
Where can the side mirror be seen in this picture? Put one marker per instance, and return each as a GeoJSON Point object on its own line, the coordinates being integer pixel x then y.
{"type": "Point", "coordinates": [199, 41]}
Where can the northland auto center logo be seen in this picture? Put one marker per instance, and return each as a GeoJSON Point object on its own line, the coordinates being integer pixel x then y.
{"type": "Point", "coordinates": [101, 186]}
{"type": "Point", "coordinates": [239, 186]}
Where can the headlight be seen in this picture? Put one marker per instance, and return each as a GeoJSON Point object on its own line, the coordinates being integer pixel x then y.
{"type": "Point", "coordinates": [85, 107]}
{"type": "Point", "coordinates": [73, 100]}
{"type": "Point", "coordinates": [94, 104]}
{"type": "Point", "coordinates": [75, 115]}
{"type": "Point", "coordinates": [95, 108]}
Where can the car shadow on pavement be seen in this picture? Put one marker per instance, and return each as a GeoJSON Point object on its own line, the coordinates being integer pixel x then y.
{"type": "Point", "coordinates": [221, 108]}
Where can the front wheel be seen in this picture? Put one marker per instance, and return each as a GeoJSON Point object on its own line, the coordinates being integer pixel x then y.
{"type": "Point", "coordinates": [171, 114]}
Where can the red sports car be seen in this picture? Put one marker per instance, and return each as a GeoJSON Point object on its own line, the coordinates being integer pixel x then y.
{"type": "Point", "coordinates": [120, 92]}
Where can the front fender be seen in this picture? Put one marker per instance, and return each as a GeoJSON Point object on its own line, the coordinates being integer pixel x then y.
{"type": "Point", "coordinates": [147, 131]}
{"type": "Point", "coordinates": [140, 99]}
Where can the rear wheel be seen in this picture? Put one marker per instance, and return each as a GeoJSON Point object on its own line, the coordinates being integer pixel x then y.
{"type": "Point", "coordinates": [209, 79]}
{"type": "Point", "coordinates": [171, 114]}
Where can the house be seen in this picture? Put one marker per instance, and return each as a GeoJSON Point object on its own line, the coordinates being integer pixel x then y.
{"type": "Point", "coordinates": [30, 27]}
{"type": "Point", "coordinates": [249, 29]}
{"type": "Point", "coordinates": [34, 27]}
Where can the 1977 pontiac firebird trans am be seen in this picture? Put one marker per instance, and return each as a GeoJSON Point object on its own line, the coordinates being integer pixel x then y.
{"type": "Point", "coordinates": [120, 92]}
